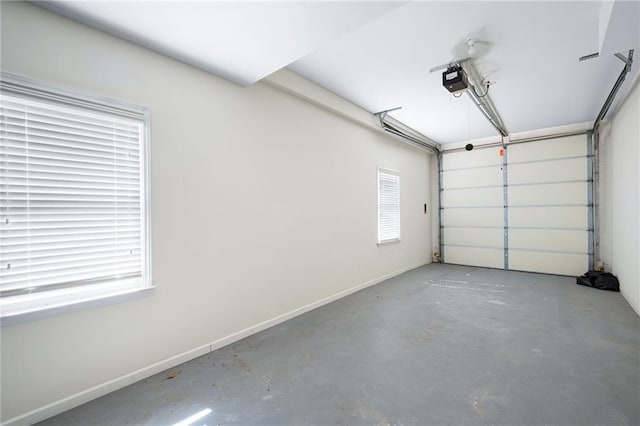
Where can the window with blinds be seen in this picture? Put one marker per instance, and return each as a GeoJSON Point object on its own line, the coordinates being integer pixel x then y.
{"type": "Point", "coordinates": [388, 206]}
{"type": "Point", "coordinates": [73, 208]}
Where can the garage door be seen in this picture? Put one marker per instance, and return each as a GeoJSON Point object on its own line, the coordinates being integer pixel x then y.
{"type": "Point", "coordinates": [528, 211]}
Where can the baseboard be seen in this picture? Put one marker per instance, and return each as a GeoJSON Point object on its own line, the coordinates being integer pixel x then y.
{"type": "Point", "coordinates": [90, 394]}
{"type": "Point", "coordinates": [630, 301]}
{"type": "Point", "coordinates": [304, 309]}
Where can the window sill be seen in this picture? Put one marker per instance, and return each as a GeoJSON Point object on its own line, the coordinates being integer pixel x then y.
{"type": "Point", "coordinates": [17, 316]}
{"type": "Point", "coordinates": [388, 242]}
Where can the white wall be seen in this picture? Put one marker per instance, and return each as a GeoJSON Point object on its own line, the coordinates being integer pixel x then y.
{"type": "Point", "coordinates": [262, 204]}
{"type": "Point", "coordinates": [619, 192]}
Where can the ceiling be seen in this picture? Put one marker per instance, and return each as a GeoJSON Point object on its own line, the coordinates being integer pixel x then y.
{"type": "Point", "coordinates": [378, 54]}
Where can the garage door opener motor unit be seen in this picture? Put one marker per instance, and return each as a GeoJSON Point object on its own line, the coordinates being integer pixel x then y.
{"type": "Point", "coordinates": [454, 79]}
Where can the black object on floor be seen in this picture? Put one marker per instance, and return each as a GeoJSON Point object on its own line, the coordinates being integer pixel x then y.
{"type": "Point", "coordinates": [600, 280]}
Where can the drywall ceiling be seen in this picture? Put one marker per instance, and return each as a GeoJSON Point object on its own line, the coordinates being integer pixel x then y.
{"type": "Point", "coordinates": [529, 49]}
{"type": "Point", "coordinates": [240, 41]}
{"type": "Point", "coordinates": [378, 54]}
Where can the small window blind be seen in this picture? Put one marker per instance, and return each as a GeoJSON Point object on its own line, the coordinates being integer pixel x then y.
{"type": "Point", "coordinates": [73, 205]}
{"type": "Point", "coordinates": [388, 206]}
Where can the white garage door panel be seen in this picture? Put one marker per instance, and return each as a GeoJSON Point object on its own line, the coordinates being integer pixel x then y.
{"type": "Point", "coordinates": [548, 217]}
{"type": "Point", "coordinates": [548, 239]}
{"type": "Point", "coordinates": [469, 159]}
{"type": "Point", "coordinates": [548, 194]}
{"type": "Point", "coordinates": [548, 263]}
{"type": "Point", "coordinates": [553, 171]}
{"type": "Point", "coordinates": [474, 217]}
{"type": "Point", "coordinates": [572, 146]}
{"type": "Point", "coordinates": [473, 197]}
{"type": "Point", "coordinates": [478, 237]}
{"type": "Point", "coordinates": [472, 178]}
{"type": "Point", "coordinates": [473, 208]}
{"type": "Point", "coordinates": [487, 257]}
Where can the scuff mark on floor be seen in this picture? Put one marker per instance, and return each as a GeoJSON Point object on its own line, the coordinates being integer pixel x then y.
{"type": "Point", "coordinates": [172, 375]}
{"type": "Point", "coordinates": [485, 402]}
{"type": "Point", "coordinates": [497, 302]}
{"type": "Point", "coordinates": [241, 363]}
{"type": "Point", "coordinates": [369, 414]}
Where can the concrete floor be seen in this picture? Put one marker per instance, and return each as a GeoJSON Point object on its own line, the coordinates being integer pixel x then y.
{"type": "Point", "coordinates": [438, 345]}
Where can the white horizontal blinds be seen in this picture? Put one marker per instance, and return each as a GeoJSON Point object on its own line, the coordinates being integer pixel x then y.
{"type": "Point", "coordinates": [71, 196]}
{"type": "Point", "coordinates": [388, 206]}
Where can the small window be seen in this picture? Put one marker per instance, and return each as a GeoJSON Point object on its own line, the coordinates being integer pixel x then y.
{"type": "Point", "coordinates": [74, 211]}
{"type": "Point", "coordinates": [388, 206]}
